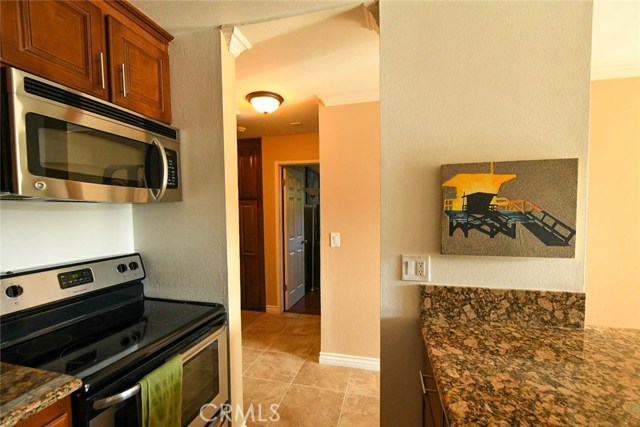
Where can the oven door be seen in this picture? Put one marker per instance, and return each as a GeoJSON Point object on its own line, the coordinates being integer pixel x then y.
{"type": "Point", "coordinates": [204, 382]}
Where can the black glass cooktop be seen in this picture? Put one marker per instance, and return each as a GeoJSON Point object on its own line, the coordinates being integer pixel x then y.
{"type": "Point", "coordinates": [124, 336]}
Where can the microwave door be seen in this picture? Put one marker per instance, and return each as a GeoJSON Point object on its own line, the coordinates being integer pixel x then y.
{"type": "Point", "coordinates": [156, 170]}
{"type": "Point", "coordinates": [122, 174]}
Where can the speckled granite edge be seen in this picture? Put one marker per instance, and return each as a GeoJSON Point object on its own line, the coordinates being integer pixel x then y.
{"type": "Point", "coordinates": [508, 375]}
{"type": "Point", "coordinates": [523, 307]}
{"type": "Point", "coordinates": [37, 398]}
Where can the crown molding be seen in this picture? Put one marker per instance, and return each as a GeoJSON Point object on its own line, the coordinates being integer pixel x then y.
{"type": "Point", "coordinates": [344, 98]}
{"type": "Point", "coordinates": [372, 16]}
{"type": "Point", "coordinates": [236, 41]}
{"type": "Point", "coordinates": [616, 71]}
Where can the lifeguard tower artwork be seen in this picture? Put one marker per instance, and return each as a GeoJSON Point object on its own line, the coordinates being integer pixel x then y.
{"type": "Point", "coordinates": [520, 208]}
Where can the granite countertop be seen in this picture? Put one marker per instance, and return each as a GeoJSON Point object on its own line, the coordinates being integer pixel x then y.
{"type": "Point", "coordinates": [494, 371]}
{"type": "Point", "coordinates": [25, 391]}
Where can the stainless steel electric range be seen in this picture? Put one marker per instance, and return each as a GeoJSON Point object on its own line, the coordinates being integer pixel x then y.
{"type": "Point", "coordinates": [92, 320]}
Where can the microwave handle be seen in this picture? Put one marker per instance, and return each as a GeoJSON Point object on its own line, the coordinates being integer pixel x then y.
{"type": "Point", "coordinates": [165, 170]}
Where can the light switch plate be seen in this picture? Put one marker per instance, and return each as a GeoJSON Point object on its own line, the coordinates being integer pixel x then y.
{"type": "Point", "coordinates": [335, 240]}
{"type": "Point", "coordinates": [415, 268]}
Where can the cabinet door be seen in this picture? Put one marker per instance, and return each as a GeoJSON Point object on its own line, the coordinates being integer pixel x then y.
{"type": "Point", "coordinates": [433, 411]}
{"type": "Point", "coordinates": [62, 421]}
{"type": "Point", "coordinates": [59, 40]}
{"type": "Point", "coordinates": [139, 70]}
{"type": "Point", "coordinates": [57, 414]}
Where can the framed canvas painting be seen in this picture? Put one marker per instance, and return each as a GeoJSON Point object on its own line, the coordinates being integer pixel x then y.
{"type": "Point", "coordinates": [519, 208]}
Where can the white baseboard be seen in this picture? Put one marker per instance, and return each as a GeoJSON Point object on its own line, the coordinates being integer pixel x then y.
{"type": "Point", "coordinates": [348, 361]}
{"type": "Point", "coordinates": [273, 309]}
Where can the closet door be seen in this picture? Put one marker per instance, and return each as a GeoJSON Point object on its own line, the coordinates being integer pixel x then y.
{"type": "Point", "coordinates": [251, 224]}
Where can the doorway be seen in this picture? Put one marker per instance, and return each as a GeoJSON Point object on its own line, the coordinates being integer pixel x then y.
{"type": "Point", "coordinates": [250, 208]}
{"type": "Point", "coordinates": [301, 244]}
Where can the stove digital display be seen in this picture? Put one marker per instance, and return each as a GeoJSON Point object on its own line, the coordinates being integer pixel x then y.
{"type": "Point", "coordinates": [75, 278]}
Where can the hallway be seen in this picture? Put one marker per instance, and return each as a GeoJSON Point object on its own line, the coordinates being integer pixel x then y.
{"type": "Point", "coordinates": [280, 365]}
{"type": "Point", "coordinates": [308, 304]}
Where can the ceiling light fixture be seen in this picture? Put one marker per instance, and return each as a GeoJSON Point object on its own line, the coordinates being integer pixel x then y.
{"type": "Point", "coordinates": [265, 102]}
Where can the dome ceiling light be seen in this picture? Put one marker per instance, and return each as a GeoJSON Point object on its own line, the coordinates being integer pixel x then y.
{"type": "Point", "coordinates": [265, 102]}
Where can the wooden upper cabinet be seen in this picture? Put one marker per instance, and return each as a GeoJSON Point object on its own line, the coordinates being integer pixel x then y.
{"type": "Point", "coordinates": [59, 40]}
{"type": "Point", "coordinates": [108, 49]}
{"type": "Point", "coordinates": [141, 64]}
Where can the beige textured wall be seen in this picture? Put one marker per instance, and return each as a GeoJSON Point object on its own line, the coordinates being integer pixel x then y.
{"type": "Point", "coordinates": [186, 248]}
{"type": "Point", "coordinates": [470, 82]}
{"type": "Point", "coordinates": [350, 204]}
{"type": "Point", "coordinates": [278, 150]}
{"type": "Point", "coordinates": [613, 254]}
{"type": "Point", "coordinates": [232, 222]}
{"type": "Point", "coordinates": [184, 244]}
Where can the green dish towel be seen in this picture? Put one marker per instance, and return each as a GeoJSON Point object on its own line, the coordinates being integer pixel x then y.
{"type": "Point", "coordinates": [161, 395]}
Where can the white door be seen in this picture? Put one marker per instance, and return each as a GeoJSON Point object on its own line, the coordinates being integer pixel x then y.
{"type": "Point", "coordinates": [294, 235]}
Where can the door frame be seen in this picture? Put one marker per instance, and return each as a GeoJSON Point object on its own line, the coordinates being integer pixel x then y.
{"type": "Point", "coordinates": [288, 173]}
{"type": "Point", "coordinates": [277, 170]}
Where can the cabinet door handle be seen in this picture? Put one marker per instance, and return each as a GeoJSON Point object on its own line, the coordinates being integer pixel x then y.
{"type": "Point", "coordinates": [425, 390]}
{"type": "Point", "coordinates": [102, 82]}
{"type": "Point", "coordinates": [124, 82]}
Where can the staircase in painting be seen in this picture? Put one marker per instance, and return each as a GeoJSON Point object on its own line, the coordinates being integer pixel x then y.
{"type": "Point", "coordinates": [478, 213]}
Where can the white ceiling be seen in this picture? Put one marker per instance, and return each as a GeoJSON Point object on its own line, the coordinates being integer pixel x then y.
{"type": "Point", "coordinates": [184, 16]}
{"type": "Point", "coordinates": [616, 39]}
{"type": "Point", "coordinates": [331, 54]}
{"type": "Point", "coordinates": [330, 57]}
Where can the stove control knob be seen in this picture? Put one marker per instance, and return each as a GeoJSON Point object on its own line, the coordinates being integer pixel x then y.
{"type": "Point", "coordinates": [133, 265]}
{"type": "Point", "coordinates": [14, 291]}
{"type": "Point", "coordinates": [121, 268]}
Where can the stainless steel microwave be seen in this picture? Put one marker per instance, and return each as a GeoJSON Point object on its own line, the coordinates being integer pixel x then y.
{"type": "Point", "coordinates": [61, 144]}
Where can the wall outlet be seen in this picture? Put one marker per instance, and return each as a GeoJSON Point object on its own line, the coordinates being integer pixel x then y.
{"type": "Point", "coordinates": [421, 268]}
{"type": "Point", "coordinates": [335, 240]}
{"type": "Point", "coordinates": [415, 268]}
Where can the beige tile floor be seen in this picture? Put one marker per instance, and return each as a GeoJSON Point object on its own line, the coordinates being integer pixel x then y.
{"type": "Point", "coordinates": [280, 366]}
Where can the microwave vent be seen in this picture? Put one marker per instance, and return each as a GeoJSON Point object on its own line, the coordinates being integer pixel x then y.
{"type": "Point", "coordinates": [56, 94]}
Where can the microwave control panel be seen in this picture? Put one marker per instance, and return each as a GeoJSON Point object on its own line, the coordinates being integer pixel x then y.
{"type": "Point", "coordinates": [172, 160]}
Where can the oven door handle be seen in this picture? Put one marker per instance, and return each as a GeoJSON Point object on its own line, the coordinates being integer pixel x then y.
{"type": "Point", "coordinates": [186, 356]}
{"type": "Point", "coordinates": [116, 398]}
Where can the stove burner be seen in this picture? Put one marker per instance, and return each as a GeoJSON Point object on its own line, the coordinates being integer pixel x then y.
{"type": "Point", "coordinates": [98, 348]}
{"type": "Point", "coordinates": [44, 344]}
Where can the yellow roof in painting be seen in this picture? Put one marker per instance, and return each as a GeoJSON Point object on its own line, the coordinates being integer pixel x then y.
{"type": "Point", "coordinates": [470, 183]}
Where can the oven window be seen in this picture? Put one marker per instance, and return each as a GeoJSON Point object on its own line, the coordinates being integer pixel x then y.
{"type": "Point", "coordinates": [63, 150]}
{"type": "Point", "coordinates": [200, 382]}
